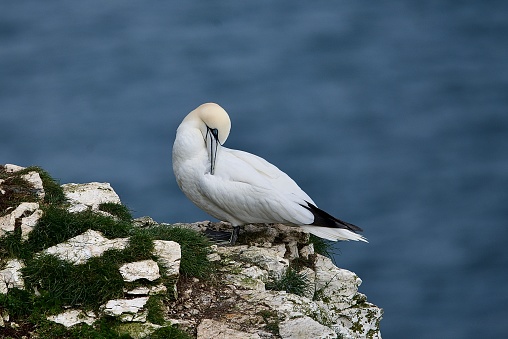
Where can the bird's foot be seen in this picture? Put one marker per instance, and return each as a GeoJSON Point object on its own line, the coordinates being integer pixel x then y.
{"type": "Point", "coordinates": [234, 235]}
{"type": "Point", "coordinates": [218, 237]}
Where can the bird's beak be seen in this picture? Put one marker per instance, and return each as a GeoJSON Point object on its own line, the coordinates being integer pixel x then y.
{"type": "Point", "coordinates": [213, 143]}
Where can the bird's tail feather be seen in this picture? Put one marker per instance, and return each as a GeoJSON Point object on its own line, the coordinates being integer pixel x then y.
{"type": "Point", "coordinates": [333, 234]}
{"type": "Point", "coordinates": [322, 218]}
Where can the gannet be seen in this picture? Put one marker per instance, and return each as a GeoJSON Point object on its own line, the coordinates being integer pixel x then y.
{"type": "Point", "coordinates": [240, 187]}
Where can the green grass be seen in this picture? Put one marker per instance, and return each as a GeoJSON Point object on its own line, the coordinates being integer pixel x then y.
{"type": "Point", "coordinates": [98, 280]}
{"type": "Point", "coordinates": [291, 281]}
{"type": "Point", "coordinates": [58, 225]}
{"type": "Point", "coordinates": [52, 283]}
{"type": "Point", "coordinates": [140, 248]}
{"type": "Point", "coordinates": [321, 246]}
{"type": "Point", "coordinates": [53, 191]}
{"type": "Point", "coordinates": [103, 329]}
{"type": "Point", "coordinates": [118, 210]}
{"type": "Point", "coordinates": [61, 283]}
{"type": "Point", "coordinates": [89, 284]}
{"type": "Point", "coordinates": [155, 306]}
{"type": "Point", "coordinates": [18, 302]}
{"type": "Point", "coordinates": [11, 246]}
{"type": "Point", "coordinates": [21, 306]}
{"type": "Point", "coordinates": [170, 332]}
{"type": "Point", "coordinates": [17, 190]}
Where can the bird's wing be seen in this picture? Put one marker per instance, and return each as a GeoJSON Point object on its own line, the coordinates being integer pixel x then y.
{"type": "Point", "coordinates": [248, 189]}
{"type": "Point", "coordinates": [269, 173]}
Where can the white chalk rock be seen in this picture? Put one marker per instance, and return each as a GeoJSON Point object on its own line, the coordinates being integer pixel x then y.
{"type": "Point", "coordinates": [291, 305]}
{"type": "Point", "coordinates": [70, 318]}
{"type": "Point", "coordinates": [10, 168]}
{"type": "Point", "coordinates": [169, 255]}
{"type": "Point", "coordinates": [209, 328]}
{"type": "Point", "coordinates": [304, 328]}
{"type": "Point", "coordinates": [145, 269]}
{"type": "Point", "coordinates": [335, 285]}
{"type": "Point", "coordinates": [127, 309]}
{"type": "Point", "coordinates": [361, 321]}
{"type": "Point", "coordinates": [292, 247]}
{"type": "Point", "coordinates": [306, 251]}
{"type": "Point", "coordinates": [28, 212]}
{"type": "Point", "coordinates": [11, 277]}
{"type": "Point", "coordinates": [144, 290]}
{"type": "Point", "coordinates": [35, 180]}
{"type": "Point", "coordinates": [90, 244]}
{"type": "Point", "coordinates": [255, 272]}
{"type": "Point", "coordinates": [91, 195]}
{"type": "Point", "coordinates": [270, 259]}
{"type": "Point", "coordinates": [252, 278]}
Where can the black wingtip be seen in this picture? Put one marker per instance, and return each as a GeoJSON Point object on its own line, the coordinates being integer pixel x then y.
{"type": "Point", "coordinates": [323, 219]}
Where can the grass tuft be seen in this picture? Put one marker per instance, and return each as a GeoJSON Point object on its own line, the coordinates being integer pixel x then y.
{"type": "Point", "coordinates": [291, 281]}
{"type": "Point", "coordinates": [118, 210]}
{"type": "Point", "coordinates": [140, 247]}
{"type": "Point", "coordinates": [321, 246]}
{"type": "Point", "coordinates": [18, 302]}
{"type": "Point", "coordinates": [155, 306]}
{"type": "Point", "coordinates": [11, 246]}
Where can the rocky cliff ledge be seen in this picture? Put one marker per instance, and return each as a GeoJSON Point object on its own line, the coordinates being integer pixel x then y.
{"type": "Point", "coordinates": [73, 264]}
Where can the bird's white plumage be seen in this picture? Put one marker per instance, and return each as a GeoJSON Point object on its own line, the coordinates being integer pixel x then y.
{"type": "Point", "coordinates": [237, 186]}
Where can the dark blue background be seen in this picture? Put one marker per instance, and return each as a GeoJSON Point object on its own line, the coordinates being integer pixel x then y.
{"type": "Point", "coordinates": [391, 115]}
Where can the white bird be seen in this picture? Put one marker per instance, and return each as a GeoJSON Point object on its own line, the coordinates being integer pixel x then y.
{"type": "Point", "coordinates": [240, 187]}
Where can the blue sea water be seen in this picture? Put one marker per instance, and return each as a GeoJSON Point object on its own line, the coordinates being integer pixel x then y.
{"type": "Point", "coordinates": [392, 115]}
